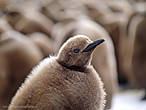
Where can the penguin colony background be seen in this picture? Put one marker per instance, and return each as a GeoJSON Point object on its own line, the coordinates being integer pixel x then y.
{"type": "Point", "coordinates": [33, 31]}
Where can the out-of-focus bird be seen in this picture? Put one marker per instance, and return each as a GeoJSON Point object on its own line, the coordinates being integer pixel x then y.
{"type": "Point", "coordinates": [19, 55]}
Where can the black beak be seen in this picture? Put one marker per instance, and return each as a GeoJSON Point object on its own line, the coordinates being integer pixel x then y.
{"type": "Point", "coordinates": [93, 45]}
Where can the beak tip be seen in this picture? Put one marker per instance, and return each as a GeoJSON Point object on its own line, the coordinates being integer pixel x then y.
{"type": "Point", "coordinates": [102, 40]}
{"type": "Point", "coordinates": [93, 45]}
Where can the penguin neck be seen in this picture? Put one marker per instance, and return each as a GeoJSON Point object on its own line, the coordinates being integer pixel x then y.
{"type": "Point", "coordinates": [73, 68]}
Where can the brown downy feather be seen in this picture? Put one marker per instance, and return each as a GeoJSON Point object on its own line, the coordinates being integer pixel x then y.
{"type": "Point", "coordinates": [53, 85]}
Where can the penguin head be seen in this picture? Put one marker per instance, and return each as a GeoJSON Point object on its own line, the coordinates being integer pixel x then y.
{"type": "Point", "coordinates": [77, 51]}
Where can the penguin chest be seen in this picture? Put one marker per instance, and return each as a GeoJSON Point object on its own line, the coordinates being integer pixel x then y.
{"type": "Point", "coordinates": [79, 91]}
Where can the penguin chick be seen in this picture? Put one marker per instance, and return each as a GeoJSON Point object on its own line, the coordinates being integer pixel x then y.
{"type": "Point", "coordinates": [65, 82]}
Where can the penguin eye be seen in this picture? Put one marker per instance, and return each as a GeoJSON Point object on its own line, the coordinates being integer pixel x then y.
{"type": "Point", "coordinates": [76, 50]}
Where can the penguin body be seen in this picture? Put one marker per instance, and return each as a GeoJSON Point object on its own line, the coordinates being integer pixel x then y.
{"type": "Point", "coordinates": [132, 51]}
{"type": "Point", "coordinates": [137, 56]}
{"type": "Point", "coordinates": [65, 82]}
{"type": "Point", "coordinates": [19, 56]}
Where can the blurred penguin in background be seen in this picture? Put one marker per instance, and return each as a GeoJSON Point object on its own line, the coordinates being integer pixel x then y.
{"type": "Point", "coordinates": [18, 56]}
{"type": "Point", "coordinates": [60, 10]}
{"type": "Point", "coordinates": [138, 61]}
{"type": "Point", "coordinates": [44, 43]}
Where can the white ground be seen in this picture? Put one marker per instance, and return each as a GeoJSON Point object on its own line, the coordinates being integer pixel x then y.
{"type": "Point", "coordinates": [129, 100]}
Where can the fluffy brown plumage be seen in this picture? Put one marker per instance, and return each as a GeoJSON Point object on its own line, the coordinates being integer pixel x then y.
{"type": "Point", "coordinates": [65, 82]}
